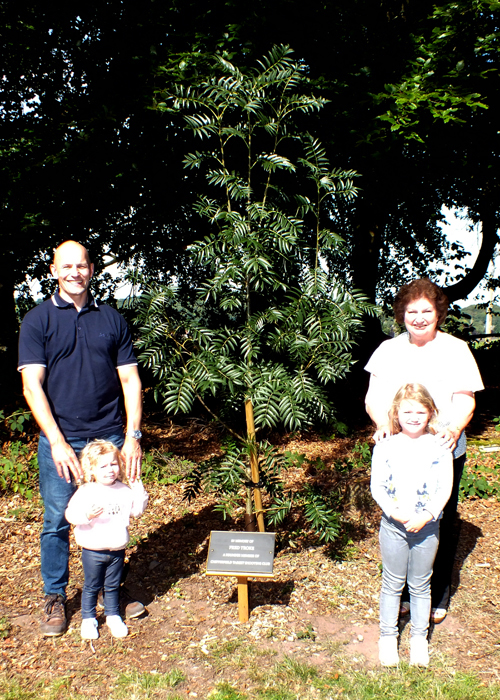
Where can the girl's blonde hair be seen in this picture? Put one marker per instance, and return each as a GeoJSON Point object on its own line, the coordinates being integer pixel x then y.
{"type": "Point", "coordinates": [95, 449]}
{"type": "Point", "coordinates": [418, 393]}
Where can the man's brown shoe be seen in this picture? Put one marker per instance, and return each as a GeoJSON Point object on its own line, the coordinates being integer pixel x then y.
{"type": "Point", "coordinates": [54, 623]}
{"type": "Point", "coordinates": [131, 608]}
{"type": "Point", "coordinates": [134, 609]}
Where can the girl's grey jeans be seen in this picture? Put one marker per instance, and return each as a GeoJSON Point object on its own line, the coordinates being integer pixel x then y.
{"type": "Point", "coordinates": [406, 556]}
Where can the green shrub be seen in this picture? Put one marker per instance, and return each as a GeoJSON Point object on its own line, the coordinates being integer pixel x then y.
{"type": "Point", "coordinates": [16, 420]}
{"type": "Point", "coordinates": [5, 628]}
{"type": "Point", "coordinates": [480, 481]}
{"type": "Point", "coordinates": [18, 471]}
{"type": "Point", "coordinates": [164, 467]}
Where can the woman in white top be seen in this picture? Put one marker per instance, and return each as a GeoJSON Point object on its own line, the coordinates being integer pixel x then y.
{"type": "Point", "coordinates": [445, 366]}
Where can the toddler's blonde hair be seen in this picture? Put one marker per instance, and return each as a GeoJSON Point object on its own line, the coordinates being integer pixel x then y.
{"type": "Point", "coordinates": [418, 393]}
{"type": "Point", "coordinates": [95, 449]}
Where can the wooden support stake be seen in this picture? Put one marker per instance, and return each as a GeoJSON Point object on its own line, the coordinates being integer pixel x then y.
{"type": "Point", "coordinates": [243, 598]}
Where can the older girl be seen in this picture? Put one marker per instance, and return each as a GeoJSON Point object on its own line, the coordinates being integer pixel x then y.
{"type": "Point", "coordinates": [411, 481]}
{"type": "Point", "coordinates": [101, 511]}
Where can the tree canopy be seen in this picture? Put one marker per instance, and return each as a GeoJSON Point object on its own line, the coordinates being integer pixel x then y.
{"type": "Point", "coordinates": [85, 153]}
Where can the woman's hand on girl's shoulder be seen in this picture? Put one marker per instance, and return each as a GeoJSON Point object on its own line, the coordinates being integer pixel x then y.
{"type": "Point", "coordinates": [382, 432]}
{"type": "Point", "coordinates": [448, 438]}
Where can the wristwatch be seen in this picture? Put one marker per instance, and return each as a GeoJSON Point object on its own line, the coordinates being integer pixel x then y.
{"type": "Point", "coordinates": [134, 433]}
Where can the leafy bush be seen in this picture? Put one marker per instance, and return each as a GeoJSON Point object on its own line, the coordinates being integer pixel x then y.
{"type": "Point", "coordinates": [164, 467]}
{"type": "Point", "coordinates": [360, 458]}
{"type": "Point", "coordinates": [18, 471]}
{"type": "Point", "coordinates": [480, 481]}
{"type": "Point", "coordinates": [225, 475]}
{"type": "Point", "coordinates": [16, 420]}
{"type": "Point", "coordinates": [5, 628]}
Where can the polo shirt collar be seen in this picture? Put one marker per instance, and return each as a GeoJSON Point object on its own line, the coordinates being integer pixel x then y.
{"type": "Point", "coordinates": [57, 300]}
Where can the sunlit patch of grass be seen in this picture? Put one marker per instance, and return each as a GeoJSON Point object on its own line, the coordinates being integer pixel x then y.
{"type": "Point", "coordinates": [229, 647]}
{"type": "Point", "coordinates": [408, 683]}
{"type": "Point", "coordinates": [288, 680]}
{"type": "Point", "coordinates": [5, 627]}
{"type": "Point", "coordinates": [277, 693]}
{"type": "Point", "coordinates": [238, 653]}
{"type": "Point", "coordinates": [225, 691]}
{"type": "Point", "coordinates": [145, 685]}
{"type": "Point", "coordinates": [11, 690]}
{"type": "Point", "coordinates": [59, 689]}
{"type": "Point", "coordinates": [292, 668]}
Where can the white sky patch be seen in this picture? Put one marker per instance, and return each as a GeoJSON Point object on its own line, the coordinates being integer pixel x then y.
{"type": "Point", "coordinates": [125, 289]}
{"type": "Point", "coordinates": [460, 230]}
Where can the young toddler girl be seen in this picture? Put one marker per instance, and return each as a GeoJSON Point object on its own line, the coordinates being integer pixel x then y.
{"type": "Point", "coordinates": [101, 511]}
{"type": "Point", "coordinates": [411, 481]}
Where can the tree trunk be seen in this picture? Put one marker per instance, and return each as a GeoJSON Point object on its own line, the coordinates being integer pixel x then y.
{"type": "Point", "coordinates": [368, 229]}
{"type": "Point", "coordinates": [10, 381]}
{"type": "Point", "coordinates": [254, 464]}
{"type": "Point", "coordinates": [487, 212]}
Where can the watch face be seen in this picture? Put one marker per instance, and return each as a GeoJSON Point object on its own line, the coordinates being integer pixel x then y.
{"type": "Point", "coordinates": [135, 434]}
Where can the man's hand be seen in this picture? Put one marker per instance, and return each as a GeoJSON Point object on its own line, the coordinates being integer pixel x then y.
{"type": "Point", "coordinates": [66, 461]}
{"type": "Point", "coordinates": [63, 454]}
{"type": "Point", "coordinates": [132, 456]}
{"type": "Point", "coordinates": [132, 396]}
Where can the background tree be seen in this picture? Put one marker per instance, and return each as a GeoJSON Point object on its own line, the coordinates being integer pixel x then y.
{"type": "Point", "coordinates": [271, 325]}
{"type": "Point", "coordinates": [83, 156]}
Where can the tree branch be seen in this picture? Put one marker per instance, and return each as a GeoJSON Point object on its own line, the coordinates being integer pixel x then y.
{"type": "Point", "coordinates": [219, 420]}
{"type": "Point", "coordinates": [459, 290]}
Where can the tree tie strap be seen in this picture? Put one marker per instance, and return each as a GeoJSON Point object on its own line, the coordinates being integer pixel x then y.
{"type": "Point", "coordinates": [254, 484]}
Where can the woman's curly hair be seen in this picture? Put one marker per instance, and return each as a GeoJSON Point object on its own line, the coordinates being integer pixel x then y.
{"type": "Point", "coordinates": [418, 289]}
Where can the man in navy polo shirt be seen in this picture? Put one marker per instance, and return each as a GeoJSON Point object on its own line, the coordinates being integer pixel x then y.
{"type": "Point", "coordinates": [76, 359]}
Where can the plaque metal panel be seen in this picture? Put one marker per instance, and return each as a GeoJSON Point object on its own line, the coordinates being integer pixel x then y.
{"type": "Point", "coordinates": [241, 553]}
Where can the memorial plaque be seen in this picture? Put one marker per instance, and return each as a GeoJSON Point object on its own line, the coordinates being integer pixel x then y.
{"type": "Point", "coordinates": [241, 553]}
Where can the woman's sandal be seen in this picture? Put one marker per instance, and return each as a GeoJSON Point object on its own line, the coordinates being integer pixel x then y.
{"type": "Point", "coordinates": [438, 615]}
{"type": "Point", "coordinates": [404, 608]}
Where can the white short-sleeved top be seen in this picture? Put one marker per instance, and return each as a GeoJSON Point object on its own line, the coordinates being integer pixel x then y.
{"type": "Point", "coordinates": [444, 366]}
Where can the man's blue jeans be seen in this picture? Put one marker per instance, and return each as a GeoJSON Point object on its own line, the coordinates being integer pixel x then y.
{"type": "Point", "coordinates": [102, 569]}
{"type": "Point", "coordinates": [406, 556]}
{"type": "Point", "coordinates": [56, 494]}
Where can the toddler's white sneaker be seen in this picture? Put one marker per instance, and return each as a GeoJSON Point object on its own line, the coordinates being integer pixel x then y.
{"type": "Point", "coordinates": [89, 628]}
{"type": "Point", "coordinates": [388, 651]}
{"type": "Point", "coordinates": [419, 651]}
{"type": "Point", "coordinates": [116, 626]}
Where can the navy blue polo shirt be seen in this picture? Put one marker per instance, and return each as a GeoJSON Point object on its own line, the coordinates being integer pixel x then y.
{"type": "Point", "coordinates": [80, 351]}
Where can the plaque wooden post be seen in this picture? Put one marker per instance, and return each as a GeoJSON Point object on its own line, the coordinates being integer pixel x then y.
{"type": "Point", "coordinates": [241, 554]}
{"type": "Point", "coordinates": [243, 598]}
